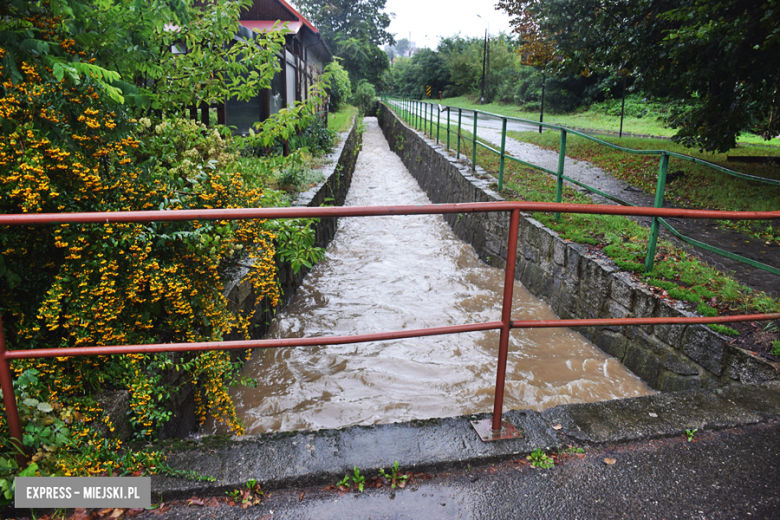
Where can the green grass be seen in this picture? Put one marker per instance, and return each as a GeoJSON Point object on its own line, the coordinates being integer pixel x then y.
{"type": "Point", "coordinates": [676, 274]}
{"type": "Point", "coordinates": [593, 119]}
{"type": "Point", "coordinates": [700, 186]}
{"type": "Point", "coordinates": [341, 121]}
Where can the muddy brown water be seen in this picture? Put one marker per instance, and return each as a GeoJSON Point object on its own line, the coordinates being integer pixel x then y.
{"type": "Point", "coordinates": [406, 272]}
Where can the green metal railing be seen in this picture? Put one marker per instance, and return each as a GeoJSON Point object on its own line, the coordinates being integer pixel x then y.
{"type": "Point", "coordinates": [419, 114]}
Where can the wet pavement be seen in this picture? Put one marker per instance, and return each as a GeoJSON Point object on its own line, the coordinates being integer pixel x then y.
{"type": "Point", "coordinates": [730, 474]}
{"type": "Point", "coordinates": [707, 231]}
{"type": "Point", "coordinates": [730, 470]}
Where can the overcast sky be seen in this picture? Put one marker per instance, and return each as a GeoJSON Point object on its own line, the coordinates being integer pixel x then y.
{"type": "Point", "coordinates": [429, 20]}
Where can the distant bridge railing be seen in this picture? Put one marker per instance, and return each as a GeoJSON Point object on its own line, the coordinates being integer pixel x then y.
{"type": "Point", "coordinates": [421, 115]}
{"type": "Point", "coordinates": [490, 429]}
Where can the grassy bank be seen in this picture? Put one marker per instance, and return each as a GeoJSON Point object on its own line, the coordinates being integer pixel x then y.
{"type": "Point", "coordinates": [341, 121]}
{"type": "Point", "coordinates": [594, 119]}
{"type": "Point", "coordinates": [691, 185]}
{"type": "Point", "coordinates": [676, 274]}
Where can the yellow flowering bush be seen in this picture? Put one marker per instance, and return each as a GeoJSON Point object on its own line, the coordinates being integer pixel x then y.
{"type": "Point", "coordinates": [66, 147]}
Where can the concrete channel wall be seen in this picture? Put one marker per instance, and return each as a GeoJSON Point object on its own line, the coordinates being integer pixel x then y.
{"type": "Point", "coordinates": [340, 165]}
{"type": "Point", "coordinates": [578, 281]}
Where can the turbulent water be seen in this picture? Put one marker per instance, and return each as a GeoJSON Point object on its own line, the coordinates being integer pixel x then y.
{"type": "Point", "coordinates": [406, 272]}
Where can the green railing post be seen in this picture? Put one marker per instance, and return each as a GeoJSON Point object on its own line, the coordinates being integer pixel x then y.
{"type": "Point", "coordinates": [425, 118]}
{"type": "Point", "coordinates": [561, 162]}
{"type": "Point", "coordinates": [460, 116]}
{"type": "Point", "coordinates": [474, 150]}
{"type": "Point", "coordinates": [659, 202]}
{"type": "Point", "coordinates": [449, 113]}
{"type": "Point", "coordinates": [430, 120]}
{"type": "Point", "coordinates": [438, 122]}
{"type": "Point", "coordinates": [503, 149]}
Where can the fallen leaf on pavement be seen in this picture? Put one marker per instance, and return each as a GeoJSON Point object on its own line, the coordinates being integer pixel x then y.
{"type": "Point", "coordinates": [609, 461]}
{"type": "Point", "coordinates": [557, 427]}
{"type": "Point", "coordinates": [300, 498]}
{"type": "Point", "coordinates": [195, 502]}
{"type": "Point", "coordinates": [81, 514]}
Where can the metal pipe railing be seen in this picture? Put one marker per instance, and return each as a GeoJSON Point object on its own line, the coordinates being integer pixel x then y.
{"type": "Point", "coordinates": [505, 325]}
{"type": "Point", "coordinates": [559, 174]}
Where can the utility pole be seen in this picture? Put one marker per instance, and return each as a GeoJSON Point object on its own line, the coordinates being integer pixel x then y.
{"type": "Point", "coordinates": [623, 106]}
{"type": "Point", "coordinates": [486, 64]}
{"type": "Point", "coordinates": [484, 61]}
{"type": "Point", "coordinates": [487, 75]}
{"type": "Point", "coordinates": [544, 80]}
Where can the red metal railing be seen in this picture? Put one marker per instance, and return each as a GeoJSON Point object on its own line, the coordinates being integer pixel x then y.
{"type": "Point", "coordinates": [496, 429]}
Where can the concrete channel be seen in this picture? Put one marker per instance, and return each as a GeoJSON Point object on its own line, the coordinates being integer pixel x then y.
{"type": "Point", "coordinates": [729, 389]}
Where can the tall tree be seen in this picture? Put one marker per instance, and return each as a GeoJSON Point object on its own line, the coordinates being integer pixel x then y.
{"type": "Point", "coordinates": [354, 30]}
{"type": "Point", "coordinates": [722, 57]}
{"type": "Point", "coordinates": [168, 54]}
{"type": "Point", "coordinates": [403, 47]}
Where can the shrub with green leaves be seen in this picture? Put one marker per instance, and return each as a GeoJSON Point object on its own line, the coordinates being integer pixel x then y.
{"type": "Point", "coordinates": [364, 97]}
{"type": "Point", "coordinates": [340, 85]}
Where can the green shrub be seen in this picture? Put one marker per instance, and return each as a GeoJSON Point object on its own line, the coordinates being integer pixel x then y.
{"type": "Point", "coordinates": [340, 86]}
{"type": "Point", "coordinates": [364, 97]}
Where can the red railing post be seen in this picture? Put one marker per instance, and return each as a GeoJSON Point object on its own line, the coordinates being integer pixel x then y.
{"type": "Point", "coordinates": [495, 429]}
{"type": "Point", "coordinates": [9, 398]}
{"type": "Point", "coordinates": [506, 317]}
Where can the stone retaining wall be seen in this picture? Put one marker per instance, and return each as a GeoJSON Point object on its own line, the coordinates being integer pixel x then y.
{"type": "Point", "coordinates": [578, 281]}
{"type": "Point", "coordinates": [340, 165]}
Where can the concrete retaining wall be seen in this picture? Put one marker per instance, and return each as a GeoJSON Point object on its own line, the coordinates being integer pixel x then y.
{"type": "Point", "coordinates": [578, 281]}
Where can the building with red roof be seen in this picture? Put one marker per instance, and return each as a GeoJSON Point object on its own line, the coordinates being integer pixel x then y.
{"type": "Point", "coordinates": [303, 58]}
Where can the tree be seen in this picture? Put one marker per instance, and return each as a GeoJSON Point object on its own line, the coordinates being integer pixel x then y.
{"type": "Point", "coordinates": [354, 31]}
{"type": "Point", "coordinates": [69, 144]}
{"type": "Point", "coordinates": [147, 55]}
{"type": "Point", "coordinates": [464, 60]}
{"type": "Point", "coordinates": [720, 57]}
{"type": "Point", "coordinates": [403, 47]}
{"type": "Point", "coordinates": [340, 87]}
